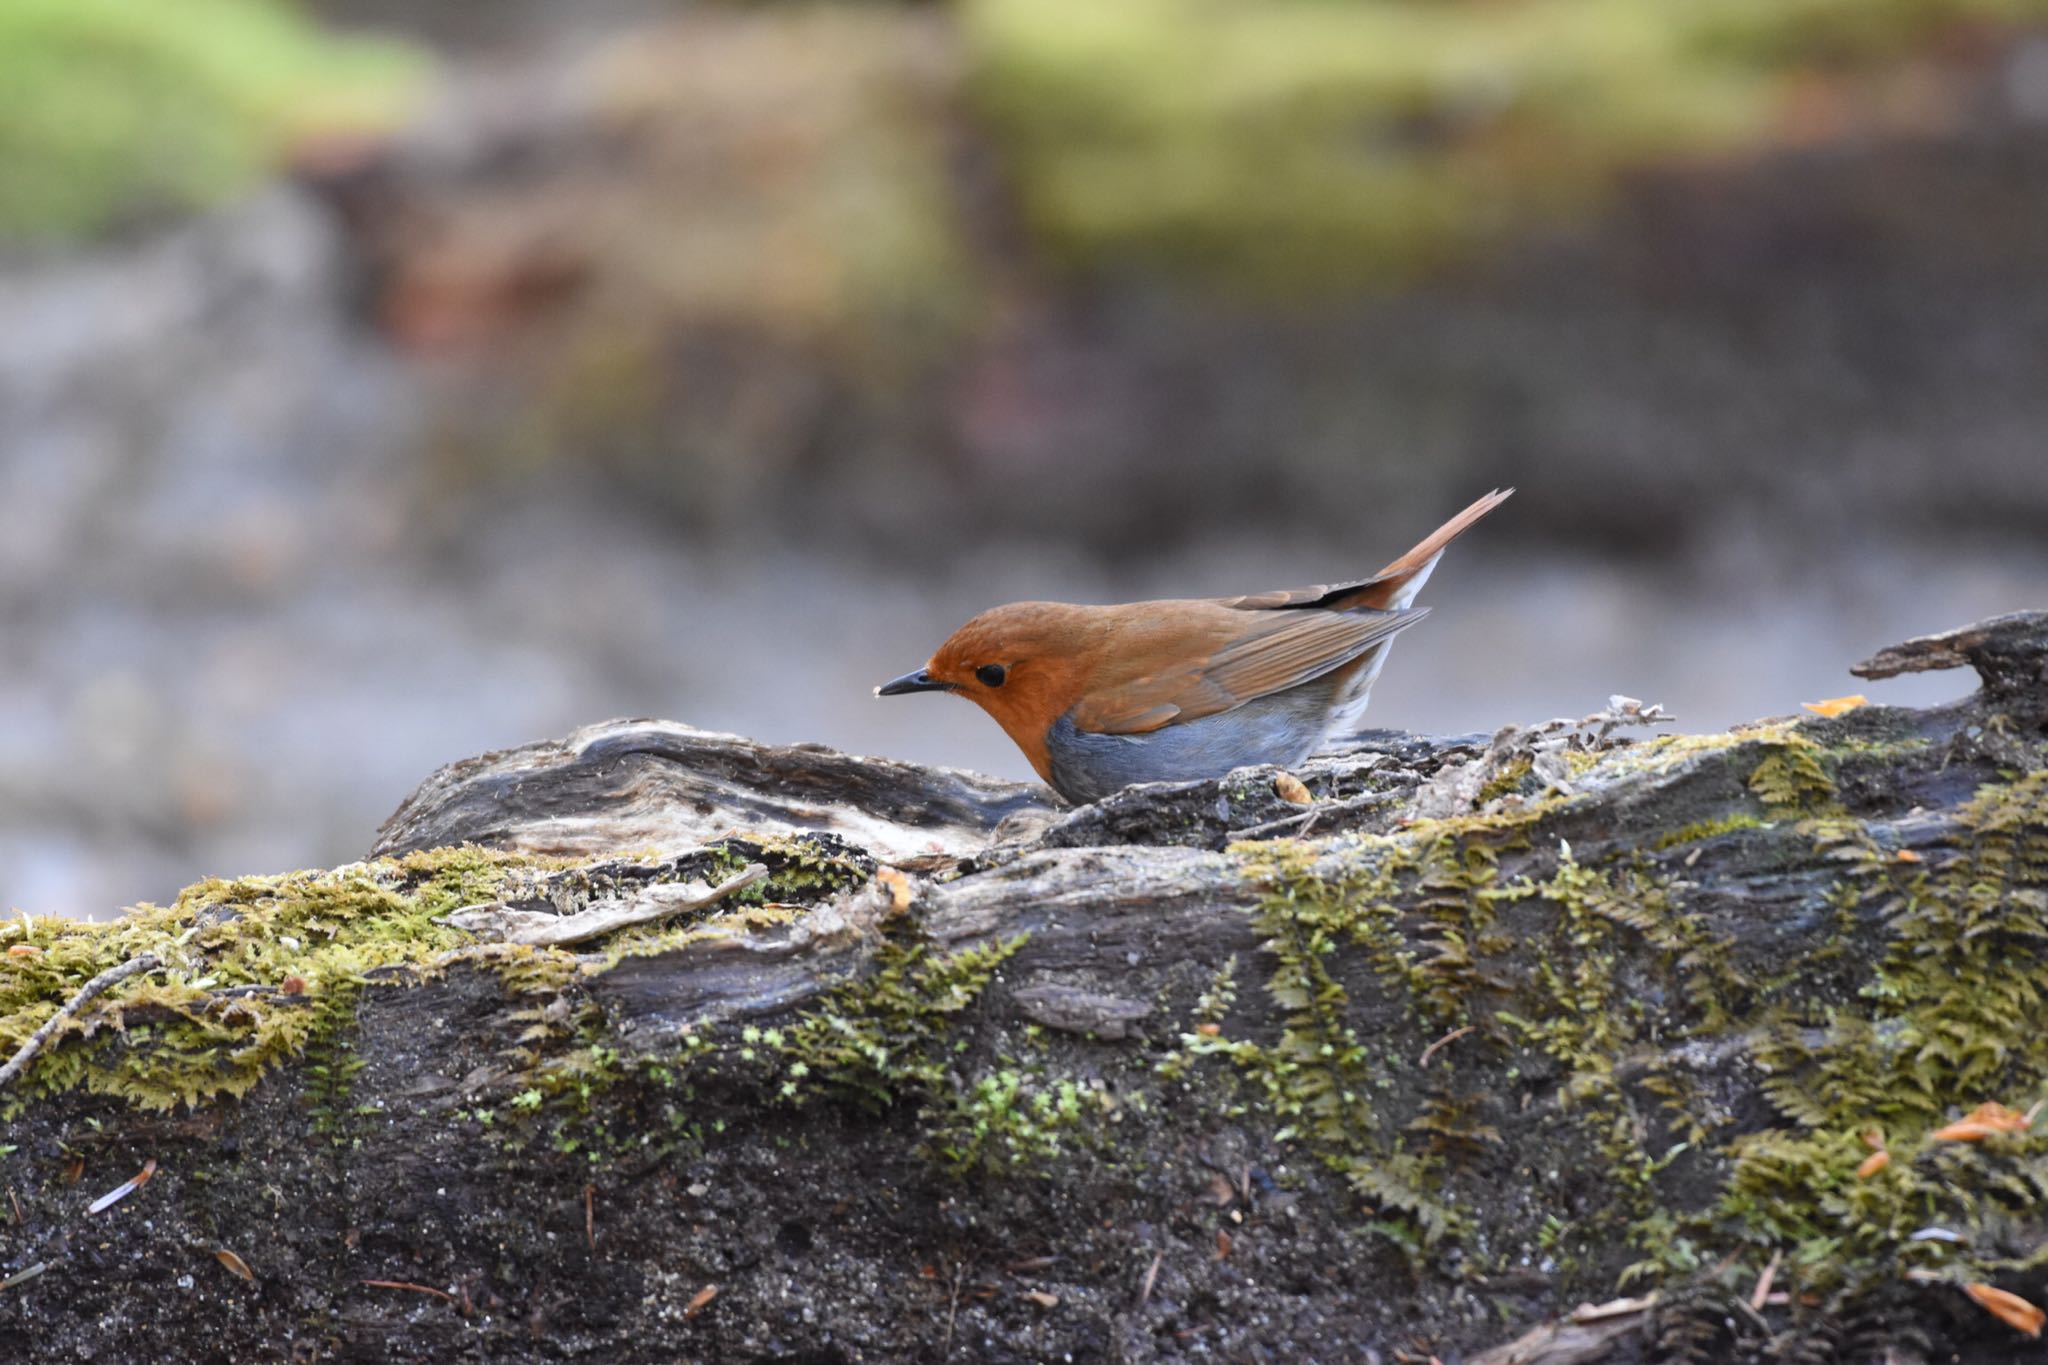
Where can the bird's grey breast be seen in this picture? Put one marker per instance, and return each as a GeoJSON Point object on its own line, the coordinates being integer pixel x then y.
{"type": "Point", "coordinates": [1282, 727]}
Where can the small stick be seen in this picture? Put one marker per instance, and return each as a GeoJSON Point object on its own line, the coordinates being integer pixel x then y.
{"type": "Point", "coordinates": [1453, 1036]}
{"type": "Point", "coordinates": [1151, 1274]}
{"type": "Point", "coordinates": [1762, 1294]}
{"type": "Point", "coordinates": [409, 1285]}
{"type": "Point", "coordinates": [106, 980]}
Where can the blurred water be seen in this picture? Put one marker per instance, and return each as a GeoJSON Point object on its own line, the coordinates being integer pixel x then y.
{"type": "Point", "coordinates": [239, 621]}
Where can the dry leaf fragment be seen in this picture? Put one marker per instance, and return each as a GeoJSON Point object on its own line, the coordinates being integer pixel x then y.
{"type": "Point", "coordinates": [1872, 1164]}
{"type": "Point", "coordinates": [1222, 1244]}
{"type": "Point", "coordinates": [1836, 706]}
{"type": "Point", "coordinates": [1980, 1123]}
{"type": "Point", "coordinates": [125, 1188]}
{"type": "Point", "coordinates": [1873, 1138]}
{"type": "Point", "coordinates": [2014, 1311]}
{"type": "Point", "coordinates": [1453, 1036]}
{"type": "Point", "coordinates": [1289, 788]}
{"type": "Point", "coordinates": [699, 1301]}
{"type": "Point", "coordinates": [235, 1264]}
{"type": "Point", "coordinates": [1042, 1299]}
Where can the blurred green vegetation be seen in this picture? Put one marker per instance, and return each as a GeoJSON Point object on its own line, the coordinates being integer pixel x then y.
{"type": "Point", "coordinates": [1306, 144]}
{"type": "Point", "coordinates": [118, 109]}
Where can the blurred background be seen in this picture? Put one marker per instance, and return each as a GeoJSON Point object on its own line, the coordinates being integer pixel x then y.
{"type": "Point", "coordinates": [383, 383]}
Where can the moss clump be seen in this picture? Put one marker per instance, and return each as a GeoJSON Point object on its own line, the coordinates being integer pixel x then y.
{"type": "Point", "coordinates": [892, 1038]}
{"type": "Point", "coordinates": [1317, 1079]}
{"type": "Point", "coordinates": [257, 970]}
{"type": "Point", "coordinates": [1427, 917]}
{"type": "Point", "coordinates": [119, 108]}
{"type": "Point", "coordinates": [1949, 1018]}
{"type": "Point", "coordinates": [1702, 830]}
{"type": "Point", "coordinates": [1792, 780]}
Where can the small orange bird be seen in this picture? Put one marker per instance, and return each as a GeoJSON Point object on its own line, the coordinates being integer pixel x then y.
{"type": "Point", "coordinates": [1101, 697]}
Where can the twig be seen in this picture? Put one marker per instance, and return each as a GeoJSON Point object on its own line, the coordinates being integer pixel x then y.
{"type": "Point", "coordinates": [1762, 1295]}
{"type": "Point", "coordinates": [952, 1313]}
{"type": "Point", "coordinates": [414, 1288]}
{"type": "Point", "coordinates": [106, 980]}
{"type": "Point", "coordinates": [1151, 1274]}
{"type": "Point", "coordinates": [1453, 1036]}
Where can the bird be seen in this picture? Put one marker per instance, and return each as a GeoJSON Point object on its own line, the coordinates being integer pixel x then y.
{"type": "Point", "coordinates": [1102, 697]}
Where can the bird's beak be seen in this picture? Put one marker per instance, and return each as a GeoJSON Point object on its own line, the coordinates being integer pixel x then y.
{"type": "Point", "coordinates": [920, 681]}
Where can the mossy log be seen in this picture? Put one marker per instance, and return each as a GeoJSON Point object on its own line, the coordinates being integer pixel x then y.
{"type": "Point", "coordinates": [1488, 1030]}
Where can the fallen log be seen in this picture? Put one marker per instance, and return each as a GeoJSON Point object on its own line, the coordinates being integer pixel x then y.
{"type": "Point", "coordinates": [901, 1063]}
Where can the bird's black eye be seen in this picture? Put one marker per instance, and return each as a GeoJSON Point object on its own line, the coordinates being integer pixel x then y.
{"type": "Point", "coordinates": [991, 675]}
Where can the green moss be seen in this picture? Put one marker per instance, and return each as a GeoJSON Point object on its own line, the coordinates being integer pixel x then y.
{"type": "Point", "coordinates": [1702, 830]}
{"type": "Point", "coordinates": [117, 108]}
{"type": "Point", "coordinates": [1792, 780]}
{"type": "Point", "coordinates": [1949, 1018]}
{"type": "Point", "coordinates": [1509, 779]}
{"type": "Point", "coordinates": [1009, 1119]}
{"type": "Point", "coordinates": [1317, 1079]}
{"type": "Point", "coordinates": [258, 970]}
{"type": "Point", "coordinates": [1426, 918]}
{"type": "Point", "coordinates": [888, 1036]}
{"type": "Point", "coordinates": [1293, 146]}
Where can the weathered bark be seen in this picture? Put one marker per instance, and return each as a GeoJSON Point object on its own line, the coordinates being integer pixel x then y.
{"type": "Point", "coordinates": [1194, 1071]}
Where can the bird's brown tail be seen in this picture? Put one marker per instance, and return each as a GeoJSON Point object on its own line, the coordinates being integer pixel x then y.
{"type": "Point", "coordinates": [1396, 585]}
{"type": "Point", "coordinates": [1433, 544]}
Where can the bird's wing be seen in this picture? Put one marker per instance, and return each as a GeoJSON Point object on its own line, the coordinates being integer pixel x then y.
{"type": "Point", "coordinates": [1267, 654]}
{"type": "Point", "coordinates": [1383, 589]}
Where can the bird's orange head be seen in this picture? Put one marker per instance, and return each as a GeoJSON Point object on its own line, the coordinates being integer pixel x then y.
{"type": "Point", "coordinates": [1025, 664]}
